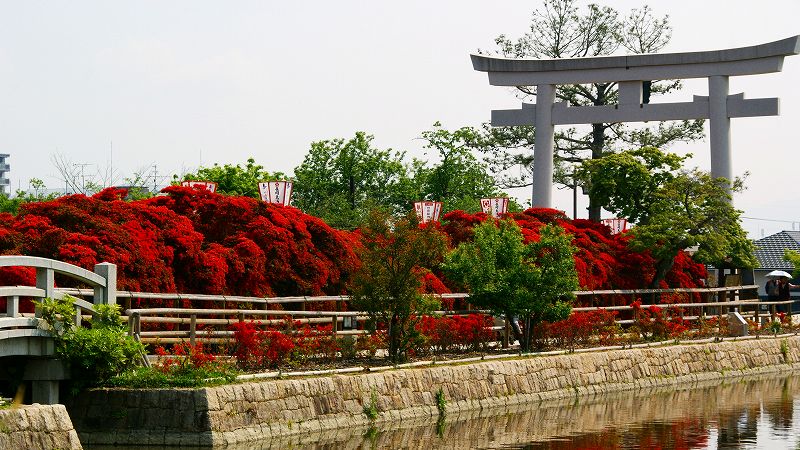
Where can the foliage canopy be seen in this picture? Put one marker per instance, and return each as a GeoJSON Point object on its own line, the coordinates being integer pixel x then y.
{"type": "Point", "coordinates": [534, 281]}
{"type": "Point", "coordinates": [673, 209]}
{"type": "Point", "coordinates": [341, 180]}
{"type": "Point", "coordinates": [233, 180]}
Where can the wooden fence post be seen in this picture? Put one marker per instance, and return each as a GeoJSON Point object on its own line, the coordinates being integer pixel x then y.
{"type": "Point", "coordinates": [135, 324]}
{"type": "Point", "coordinates": [755, 315]}
{"type": "Point", "coordinates": [192, 329]}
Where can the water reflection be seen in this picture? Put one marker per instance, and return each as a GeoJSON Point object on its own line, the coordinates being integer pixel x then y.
{"type": "Point", "coordinates": [753, 413]}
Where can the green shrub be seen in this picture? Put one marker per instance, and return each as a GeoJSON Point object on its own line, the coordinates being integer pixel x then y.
{"type": "Point", "coordinates": [347, 345]}
{"type": "Point", "coordinates": [371, 409]}
{"type": "Point", "coordinates": [107, 316]}
{"type": "Point", "coordinates": [95, 355]}
{"type": "Point", "coordinates": [441, 402]}
{"type": "Point", "coordinates": [58, 315]}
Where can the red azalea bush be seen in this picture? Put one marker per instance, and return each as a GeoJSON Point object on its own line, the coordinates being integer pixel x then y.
{"type": "Point", "coordinates": [256, 348]}
{"type": "Point", "coordinates": [655, 323]}
{"type": "Point", "coordinates": [183, 357]}
{"type": "Point", "coordinates": [314, 342]}
{"type": "Point", "coordinates": [259, 349]}
{"type": "Point", "coordinates": [187, 241]}
{"type": "Point", "coordinates": [580, 328]}
{"type": "Point", "coordinates": [450, 333]}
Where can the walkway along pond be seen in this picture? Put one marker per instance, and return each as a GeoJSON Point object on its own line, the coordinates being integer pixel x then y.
{"type": "Point", "coordinates": [271, 409]}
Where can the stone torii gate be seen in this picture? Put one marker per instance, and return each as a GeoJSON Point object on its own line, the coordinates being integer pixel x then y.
{"type": "Point", "coordinates": [630, 73]}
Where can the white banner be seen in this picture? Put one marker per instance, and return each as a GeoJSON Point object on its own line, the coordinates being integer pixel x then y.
{"type": "Point", "coordinates": [428, 211]}
{"type": "Point", "coordinates": [617, 225]}
{"type": "Point", "coordinates": [279, 192]}
{"type": "Point", "coordinates": [494, 206]}
{"type": "Point", "coordinates": [210, 186]}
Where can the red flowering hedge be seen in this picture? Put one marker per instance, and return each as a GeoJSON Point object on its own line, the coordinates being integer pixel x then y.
{"type": "Point", "coordinates": [194, 241]}
{"type": "Point", "coordinates": [187, 241]}
{"type": "Point", "coordinates": [444, 334]}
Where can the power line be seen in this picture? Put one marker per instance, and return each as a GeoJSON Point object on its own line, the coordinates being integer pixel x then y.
{"type": "Point", "coordinates": [770, 220]}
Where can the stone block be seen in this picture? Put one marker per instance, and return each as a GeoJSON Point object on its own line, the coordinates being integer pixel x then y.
{"type": "Point", "coordinates": [737, 326]}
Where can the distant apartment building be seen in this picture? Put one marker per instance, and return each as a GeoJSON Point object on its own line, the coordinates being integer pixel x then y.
{"type": "Point", "coordinates": [5, 183]}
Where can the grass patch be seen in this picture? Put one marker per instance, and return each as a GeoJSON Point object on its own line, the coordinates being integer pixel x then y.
{"type": "Point", "coordinates": [148, 378]}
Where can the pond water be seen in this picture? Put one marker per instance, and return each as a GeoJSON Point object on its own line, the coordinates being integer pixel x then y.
{"type": "Point", "coordinates": [757, 413]}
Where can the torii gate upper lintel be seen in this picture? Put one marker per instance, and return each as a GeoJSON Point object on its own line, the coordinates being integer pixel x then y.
{"type": "Point", "coordinates": [630, 72]}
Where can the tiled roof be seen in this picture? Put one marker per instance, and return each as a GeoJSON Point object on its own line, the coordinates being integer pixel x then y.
{"type": "Point", "coordinates": [769, 250]}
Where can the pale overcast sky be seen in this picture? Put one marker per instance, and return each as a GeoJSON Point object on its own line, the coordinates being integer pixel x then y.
{"type": "Point", "coordinates": [173, 84]}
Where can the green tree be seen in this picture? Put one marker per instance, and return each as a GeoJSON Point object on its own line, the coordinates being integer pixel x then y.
{"type": "Point", "coordinates": [341, 180]}
{"type": "Point", "coordinates": [459, 179]}
{"type": "Point", "coordinates": [36, 193]}
{"type": "Point", "coordinates": [559, 30]}
{"type": "Point", "coordinates": [627, 182]}
{"type": "Point", "coordinates": [794, 258]}
{"type": "Point", "coordinates": [387, 285]}
{"type": "Point", "coordinates": [137, 186]}
{"type": "Point", "coordinates": [233, 180]}
{"type": "Point", "coordinates": [673, 209]}
{"type": "Point", "coordinates": [534, 281]}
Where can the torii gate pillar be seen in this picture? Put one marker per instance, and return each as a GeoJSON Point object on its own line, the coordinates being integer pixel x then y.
{"type": "Point", "coordinates": [543, 145]}
{"type": "Point", "coordinates": [719, 125]}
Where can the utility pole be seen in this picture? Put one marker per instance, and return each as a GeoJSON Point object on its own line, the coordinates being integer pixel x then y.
{"type": "Point", "coordinates": [83, 176]}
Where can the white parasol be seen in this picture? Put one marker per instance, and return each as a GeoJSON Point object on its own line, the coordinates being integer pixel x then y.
{"type": "Point", "coordinates": [779, 273]}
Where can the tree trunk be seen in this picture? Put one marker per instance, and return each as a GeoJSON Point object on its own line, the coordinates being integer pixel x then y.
{"type": "Point", "coordinates": [394, 339]}
{"type": "Point", "coordinates": [663, 267]}
{"type": "Point", "coordinates": [526, 337]}
{"type": "Point", "coordinates": [514, 328]}
{"type": "Point", "coordinates": [598, 141]}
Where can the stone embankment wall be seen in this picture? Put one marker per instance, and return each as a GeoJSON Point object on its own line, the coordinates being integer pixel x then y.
{"type": "Point", "coordinates": [37, 427]}
{"type": "Point", "coordinates": [257, 410]}
{"type": "Point", "coordinates": [714, 401]}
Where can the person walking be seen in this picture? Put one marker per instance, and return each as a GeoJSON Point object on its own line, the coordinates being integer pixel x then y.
{"type": "Point", "coordinates": [784, 288]}
{"type": "Point", "coordinates": [772, 289]}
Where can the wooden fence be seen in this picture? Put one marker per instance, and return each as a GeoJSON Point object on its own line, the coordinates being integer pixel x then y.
{"type": "Point", "coordinates": [212, 325]}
